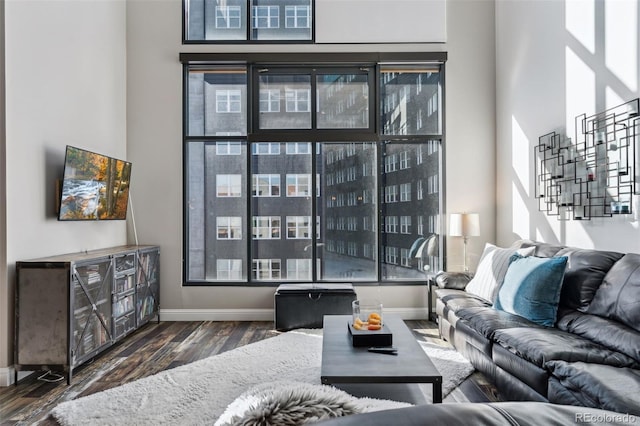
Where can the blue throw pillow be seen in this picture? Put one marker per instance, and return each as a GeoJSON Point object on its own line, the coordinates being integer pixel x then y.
{"type": "Point", "coordinates": [531, 288]}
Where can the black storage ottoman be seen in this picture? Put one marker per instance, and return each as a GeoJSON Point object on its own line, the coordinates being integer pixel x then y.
{"type": "Point", "coordinates": [304, 305]}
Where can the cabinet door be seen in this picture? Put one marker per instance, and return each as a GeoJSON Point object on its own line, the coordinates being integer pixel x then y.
{"type": "Point", "coordinates": [91, 283]}
{"type": "Point", "coordinates": [148, 285]}
{"type": "Point", "coordinates": [123, 295]}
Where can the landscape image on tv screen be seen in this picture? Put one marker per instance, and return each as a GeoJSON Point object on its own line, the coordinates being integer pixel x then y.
{"type": "Point", "coordinates": [94, 186]}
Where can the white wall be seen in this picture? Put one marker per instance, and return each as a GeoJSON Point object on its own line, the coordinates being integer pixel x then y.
{"type": "Point", "coordinates": [380, 21]}
{"type": "Point", "coordinates": [154, 145]}
{"type": "Point", "coordinates": [557, 60]}
{"type": "Point", "coordinates": [65, 84]}
{"type": "Point", "coordinates": [471, 127]}
{"type": "Point", "coordinates": [5, 292]}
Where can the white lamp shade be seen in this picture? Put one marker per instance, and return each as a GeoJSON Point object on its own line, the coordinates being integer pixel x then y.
{"type": "Point", "coordinates": [464, 225]}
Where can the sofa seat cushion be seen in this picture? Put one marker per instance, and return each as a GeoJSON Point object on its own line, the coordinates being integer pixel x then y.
{"type": "Point", "coordinates": [541, 345]}
{"type": "Point", "coordinates": [487, 320]}
{"type": "Point", "coordinates": [512, 365]}
{"type": "Point", "coordinates": [595, 385]}
{"type": "Point", "coordinates": [604, 331]}
{"type": "Point", "coordinates": [459, 299]}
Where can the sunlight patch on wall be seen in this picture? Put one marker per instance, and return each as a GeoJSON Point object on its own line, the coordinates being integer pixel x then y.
{"type": "Point", "coordinates": [580, 82]}
{"type": "Point", "coordinates": [621, 40]}
{"type": "Point", "coordinates": [580, 22]}
{"type": "Point", "coordinates": [520, 158]}
{"type": "Point", "coordinates": [520, 216]}
{"type": "Point", "coordinates": [612, 98]}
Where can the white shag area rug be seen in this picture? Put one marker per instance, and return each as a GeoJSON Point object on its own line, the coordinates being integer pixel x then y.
{"type": "Point", "coordinates": [200, 392]}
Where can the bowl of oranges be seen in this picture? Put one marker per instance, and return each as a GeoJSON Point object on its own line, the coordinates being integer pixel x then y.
{"type": "Point", "coordinates": [366, 316]}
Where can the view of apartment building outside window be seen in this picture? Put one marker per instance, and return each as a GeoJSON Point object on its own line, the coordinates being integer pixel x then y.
{"type": "Point", "coordinates": [313, 206]}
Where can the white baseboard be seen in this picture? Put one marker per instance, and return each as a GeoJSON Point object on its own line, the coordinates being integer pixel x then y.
{"type": "Point", "coordinates": [6, 376]}
{"type": "Point", "coordinates": [216, 314]}
{"type": "Point", "coordinates": [261, 314]}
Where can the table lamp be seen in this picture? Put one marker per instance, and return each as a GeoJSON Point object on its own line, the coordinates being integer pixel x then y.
{"type": "Point", "coordinates": [464, 225]}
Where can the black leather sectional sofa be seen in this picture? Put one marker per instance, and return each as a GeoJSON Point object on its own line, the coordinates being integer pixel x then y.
{"type": "Point", "coordinates": [494, 414]}
{"type": "Point", "coordinates": [590, 358]}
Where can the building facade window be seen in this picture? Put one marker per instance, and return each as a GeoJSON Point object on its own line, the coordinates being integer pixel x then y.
{"type": "Point", "coordinates": [229, 186]}
{"type": "Point", "coordinates": [228, 148]}
{"type": "Point", "coordinates": [266, 228]}
{"type": "Point", "coordinates": [298, 185]}
{"type": "Point", "coordinates": [228, 101]}
{"type": "Point", "coordinates": [405, 224]}
{"type": "Point", "coordinates": [270, 100]}
{"type": "Point", "coordinates": [391, 194]}
{"type": "Point", "coordinates": [266, 185]}
{"type": "Point", "coordinates": [228, 17]}
{"type": "Point", "coordinates": [405, 192]}
{"type": "Point", "coordinates": [265, 148]}
{"type": "Point", "coordinates": [229, 269]}
{"type": "Point", "coordinates": [298, 269]}
{"type": "Point", "coordinates": [288, 189]}
{"type": "Point", "coordinates": [298, 148]}
{"type": "Point", "coordinates": [297, 16]}
{"type": "Point", "coordinates": [266, 269]}
{"type": "Point", "coordinates": [297, 100]}
{"type": "Point", "coordinates": [229, 227]}
{"type": "Point", "coordinates": [298, 227]}
{"type": "Point", "coordinates": [266, 16]}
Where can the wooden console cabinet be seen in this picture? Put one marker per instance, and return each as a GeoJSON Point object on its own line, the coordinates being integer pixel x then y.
{"type": "Point", "coordinates": [71, 307]}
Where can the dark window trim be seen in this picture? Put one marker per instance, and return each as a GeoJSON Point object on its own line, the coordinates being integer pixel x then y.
{"type": "Point", "coordinates": [320, 59]}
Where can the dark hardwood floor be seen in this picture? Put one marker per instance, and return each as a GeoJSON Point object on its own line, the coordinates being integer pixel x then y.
{"type": "Point", "coordinates": [160, 346]}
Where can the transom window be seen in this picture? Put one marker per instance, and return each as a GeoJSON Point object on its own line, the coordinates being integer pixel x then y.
{"type": "Point", "coordinates": [247, 21]}
{"type": "Point", "coordinates": [305, 172]}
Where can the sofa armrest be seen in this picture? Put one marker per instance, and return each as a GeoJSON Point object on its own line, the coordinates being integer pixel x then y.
{"type": "Point", "coordinates": [453, 280]}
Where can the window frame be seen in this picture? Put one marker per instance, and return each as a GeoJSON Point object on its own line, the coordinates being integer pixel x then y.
{"type": "Point", "coordinates": [278, 136]}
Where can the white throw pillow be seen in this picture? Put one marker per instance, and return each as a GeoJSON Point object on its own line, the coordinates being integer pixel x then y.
{"type": "Point", "coordinates": [491, 270]}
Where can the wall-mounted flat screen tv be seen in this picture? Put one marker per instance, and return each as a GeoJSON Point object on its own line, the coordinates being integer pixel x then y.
{"type": "Point", "coordinates": [94, 186]}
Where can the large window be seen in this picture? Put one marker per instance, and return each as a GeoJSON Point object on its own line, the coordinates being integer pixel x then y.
{"type": "Point", "coordinates": [294, 173]}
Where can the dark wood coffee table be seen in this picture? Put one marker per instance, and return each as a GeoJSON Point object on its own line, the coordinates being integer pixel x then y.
{"type": "Point", "coordinates": [344, 364]}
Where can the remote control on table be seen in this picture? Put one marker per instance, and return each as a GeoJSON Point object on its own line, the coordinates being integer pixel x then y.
{"type": "Point", "coordinates": [384, 350]}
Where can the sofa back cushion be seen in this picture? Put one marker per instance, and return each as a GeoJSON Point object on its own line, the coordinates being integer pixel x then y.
{"type": "Point", "coordinates": [618, 298]}
{"type": "Point", "coordinates": [584, 274]}
{"type": "Point", "coordinates": [540, 249]}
